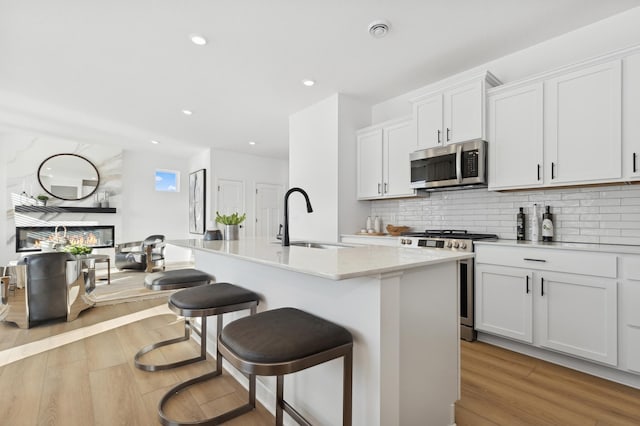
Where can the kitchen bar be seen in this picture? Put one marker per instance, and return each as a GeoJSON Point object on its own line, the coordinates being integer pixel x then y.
{"type": "Point", "coordinates": [400, 305]}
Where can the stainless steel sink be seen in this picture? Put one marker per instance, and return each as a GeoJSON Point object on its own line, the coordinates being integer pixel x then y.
{"type": "Point", "coordinates": [317, 245]}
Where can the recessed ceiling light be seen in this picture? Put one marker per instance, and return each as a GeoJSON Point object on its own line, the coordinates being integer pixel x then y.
{"type": "Point", "coordinates": [187, 112]}
{"type": "Point", "coordinates": [252, 143]}
{"type": "Point", "coordinates": [379, 28]}
{"type": "Point", "coordinates": [155, 142]}
{"type": "Point", "coordinates": [308, 82]}
{"type": "Point", "coordinates": [198, 39]}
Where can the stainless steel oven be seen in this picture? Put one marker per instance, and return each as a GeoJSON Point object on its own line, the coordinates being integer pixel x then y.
{"type": "Point", "coordinates": [458, 241]}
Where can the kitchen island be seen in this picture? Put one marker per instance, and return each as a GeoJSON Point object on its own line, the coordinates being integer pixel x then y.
{"type": "Point", "coordinates": [401, 305]}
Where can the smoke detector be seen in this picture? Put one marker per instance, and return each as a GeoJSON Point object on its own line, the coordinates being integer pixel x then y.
{"type": "Point", "coordinates": [379, 28]}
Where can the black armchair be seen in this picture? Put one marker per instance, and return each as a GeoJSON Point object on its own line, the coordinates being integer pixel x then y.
{"type": "Point", "coordinates": [141, 255]}
{"type": "Point", "coordinates": [47, 286]}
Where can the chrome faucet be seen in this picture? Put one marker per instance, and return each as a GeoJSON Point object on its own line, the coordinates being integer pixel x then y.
{"type": "Point", "coordinates": [285, 238]}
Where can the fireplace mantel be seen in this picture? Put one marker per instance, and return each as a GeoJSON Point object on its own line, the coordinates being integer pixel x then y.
{"type": "Point", "coordinates": [63, 209]}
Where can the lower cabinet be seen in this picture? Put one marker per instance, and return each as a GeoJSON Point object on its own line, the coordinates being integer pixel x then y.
{"type": "Point", "coordinates": [630, 314]}
{"type": "Point", "coordinates": [567, 312]}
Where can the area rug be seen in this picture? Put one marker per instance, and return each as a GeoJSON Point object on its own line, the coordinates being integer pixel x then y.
{"type": "Point", "coordinates": [127, 286]}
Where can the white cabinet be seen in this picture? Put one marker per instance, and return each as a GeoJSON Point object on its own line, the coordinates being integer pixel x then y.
{"type": "Point", "coordinates": [565, 128]}
{"type": "Point", "coordinates": [542, 297]}
{"type": "Point", "coordinates": [515, 131]}
{"type": "Point", "coordinates": [630, 314]}
{"type": "Point", "coordinates": [383, 160]}
{"type": "Point", "coordinates": [504, 302]}
{"type": "Point", "coordinates": [453, 114]}
{"type": "Point", "coordinates": [583, 125]}
{"type": "Point", "coordinates": [578, 315]}
{"type": "Point", "coordinates": [630, 114]}
{"type": "Point", "coordinates": [370, 163]}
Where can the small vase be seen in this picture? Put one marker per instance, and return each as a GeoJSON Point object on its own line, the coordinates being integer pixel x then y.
{"type": "Point", "coordinates": [231, 232]}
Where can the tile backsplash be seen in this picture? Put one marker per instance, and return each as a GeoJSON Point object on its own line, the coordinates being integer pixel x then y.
{"type": "Point", "coordinates": [602, 214]}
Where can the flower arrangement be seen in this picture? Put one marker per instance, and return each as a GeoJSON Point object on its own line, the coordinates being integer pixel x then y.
{"type": "Point", "coordinates": [233, 219]}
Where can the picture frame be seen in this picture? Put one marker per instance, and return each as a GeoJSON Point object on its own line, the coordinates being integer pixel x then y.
{"type": "Point", "coordinates": [167, 180]}
{"type": "Point", "coordinates": [197, 201]}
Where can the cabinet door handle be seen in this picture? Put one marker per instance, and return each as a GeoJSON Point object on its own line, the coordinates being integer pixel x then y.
{"type": "Point", "coordinates": [635, 168]}
{"type": "Point", "coordinates": [541, 286]}
{"type": "Point", "coordinates": [538, 171]}
{"type": "Point", "coordinates": [386, 188]}
{"type": "Point", "coordinates": [533, 260]}
{"type": "Point", "coordinates": [440, 141]}
{"type": "Point", "coordinates": [379, 186]}
{"type": "Point", "coordinates": [553, 170]}
{"type": "Point", "coordinates": [448, 138]}
{"type": "Point", "coordinates": [527, 284]}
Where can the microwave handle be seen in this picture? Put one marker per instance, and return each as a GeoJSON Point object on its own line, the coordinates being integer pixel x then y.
{"type": "Point", "coordinates": [459, 163]}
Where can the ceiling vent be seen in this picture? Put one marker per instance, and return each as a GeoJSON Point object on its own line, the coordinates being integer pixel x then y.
{"type": "Point", "coordinates": [379, 28]}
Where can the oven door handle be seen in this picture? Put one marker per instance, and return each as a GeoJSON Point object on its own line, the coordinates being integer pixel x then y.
{"type": "Point", "coordinates": [459, 163]}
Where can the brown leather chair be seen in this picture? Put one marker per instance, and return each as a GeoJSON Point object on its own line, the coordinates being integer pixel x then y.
{"type": "Point", "coordinates": [141, 255]}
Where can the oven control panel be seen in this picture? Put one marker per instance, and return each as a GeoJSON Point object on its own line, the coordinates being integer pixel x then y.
{"type": "Point", "coordinates": [437, 243]}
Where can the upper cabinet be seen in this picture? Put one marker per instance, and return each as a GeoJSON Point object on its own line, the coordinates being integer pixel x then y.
{"type": "Point", "coordinates": [383, 160]}
{"type": "Point", "coordinates": [452, 114]}
{"type": "Point", "coordinates": [630, 117]}
{"type": "Point", "coordinates": [515, 135]}
{"type": "Point", "coordinates": [573, 126]}
{"type": "Point", "coordinates": [583, 111]}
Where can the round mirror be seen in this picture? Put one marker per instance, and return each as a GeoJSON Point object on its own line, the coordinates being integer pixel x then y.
{"type": "Point", "coordinates": [68, 176]}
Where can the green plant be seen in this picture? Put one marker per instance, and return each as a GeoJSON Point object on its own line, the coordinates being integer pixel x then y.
{"type": "Point", "coordinates": [42, 197]}
{"type": "Point", "coordinates": [78, 249]}
{"type": "Point", "coordinates": [234, 219]}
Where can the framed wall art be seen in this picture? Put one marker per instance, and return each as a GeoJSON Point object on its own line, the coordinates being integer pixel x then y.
{"type": "Point", "coordinates": [197, 201]}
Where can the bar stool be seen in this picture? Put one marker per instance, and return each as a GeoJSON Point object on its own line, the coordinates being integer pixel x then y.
{"type": "Point", "coordinates": [171, 280]}
{"type": "Point", "coordinates": [205, 301]}
{"type": "Point", "coordinates": [284, 341]}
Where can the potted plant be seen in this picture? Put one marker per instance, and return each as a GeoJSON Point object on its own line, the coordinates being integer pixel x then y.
{"type": "Point", "coordinates": [43, 199]}
{"type": "Point", "coordinates": [231, 224]}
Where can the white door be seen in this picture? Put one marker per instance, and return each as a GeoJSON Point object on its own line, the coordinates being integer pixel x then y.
{"type": "Point", "coordinates": [463, 113]}
{"type": "Point", "coordinates": [399, 141]}
{"type": "Point", "coordinates": [578, 315]}
{"type": "Point", "coordinates": [231, 200]}
{"type": "Point", "coordinates": [428, 115]}
{"type": "Point", "coordinates": [583, 128]}
{"type": "Point", "coordinates": [370, 164]}
{"type": "Point", "coordinates": [503, 301]}
{"type": "Point", "coordinates": [630, 114]}
{"type": "Point", "coordinates": [515, 138]}
{"type": "Point", "coordinates": [269, 204]}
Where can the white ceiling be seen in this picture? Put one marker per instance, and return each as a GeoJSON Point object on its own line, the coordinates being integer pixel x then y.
{"type": "Point", "coordinates": [127, 68]}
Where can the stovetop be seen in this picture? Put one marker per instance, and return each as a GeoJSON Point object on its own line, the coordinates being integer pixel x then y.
{"type": "Point", "coordinates": [450, 234]}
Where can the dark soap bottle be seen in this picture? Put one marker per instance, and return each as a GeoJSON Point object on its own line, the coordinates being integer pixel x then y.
{"type": "Point", "coordinates": [547, 225]}
{"type": "Point", "coordinates": [520, 224]}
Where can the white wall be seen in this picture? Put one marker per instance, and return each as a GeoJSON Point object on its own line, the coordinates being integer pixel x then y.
{"type": "Point", "coordinates": [616, 32]}
{"type": "Point", "coordinates": [322, 152]}
{"type": "Point", "coordinates": [146, 210]}
{"type": "Point", "coordinates": [251, 169]}
{"type": "Point", "coordinates": [4, 243]}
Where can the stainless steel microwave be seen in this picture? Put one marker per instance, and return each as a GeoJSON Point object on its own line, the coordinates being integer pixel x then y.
{"type": "Point", "coordinates": [454, 166]}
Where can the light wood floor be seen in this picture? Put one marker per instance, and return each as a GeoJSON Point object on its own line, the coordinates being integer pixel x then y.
{"type": "Point", "coordinates": [94, 382]}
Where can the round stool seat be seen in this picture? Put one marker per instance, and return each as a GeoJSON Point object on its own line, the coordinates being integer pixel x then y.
{"type": "Point", "coordinates": [211, 296]}
{"type": "Point", "coordinates": [282, 335]}
{"type": "Point", "coordinates": [178, 278]}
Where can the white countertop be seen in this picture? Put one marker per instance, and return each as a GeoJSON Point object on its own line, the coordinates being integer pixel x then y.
{"type": "Point", "coordinates": [332, 263]}
{"type": "Point", "coordinates": [604, 248]}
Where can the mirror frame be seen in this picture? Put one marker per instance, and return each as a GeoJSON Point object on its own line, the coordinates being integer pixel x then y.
{"type": "Point", "coordinates": [73, 155]}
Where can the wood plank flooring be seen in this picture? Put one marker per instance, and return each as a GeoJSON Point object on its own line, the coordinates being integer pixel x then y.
{"type": "Point", "coordinates": [500, 387]}
{"type": "Point", "coordinates": [93, 382]}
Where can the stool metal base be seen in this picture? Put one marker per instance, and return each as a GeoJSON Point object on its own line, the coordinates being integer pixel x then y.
{"type": "Point", "coordinates": [187, 334]}
{"type": "Point", "coordinates": [224, 417]}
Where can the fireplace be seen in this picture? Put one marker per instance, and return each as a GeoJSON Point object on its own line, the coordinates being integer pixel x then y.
{"type": "Point", "coordinates": [28, 238]}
